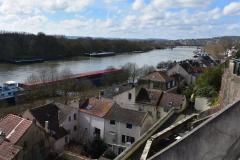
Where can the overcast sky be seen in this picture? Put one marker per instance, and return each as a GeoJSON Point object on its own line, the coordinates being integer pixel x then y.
{"type": "Point", "coordinates": [168, 19]}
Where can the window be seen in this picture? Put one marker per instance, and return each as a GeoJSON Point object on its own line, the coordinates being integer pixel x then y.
{"type": "Point", "coordinates": [132, 139]}
{"type": "Point", "coordinates": [129, 96]}
{"type": "Point", "coordinates": [9, 93]}
{"type": "Point", "coordinates": [168, 85]}
{"type": "Point", "coordinates": [120, 150]}
{"type": "Point", "coordinates": [69, 118]}
{"type": "Point", "coordinates": [112, 122]}
{"type": "Point", "coordinates": [75, 116]}
{"type": "Point", "coordinates": [123, 139]}
{"type": "Point", "coordinates": [173, 83]}
{"type": "Point", "coordinates": [97, 132]}
{"type": "Point", "coordinates": [128, 125]}
{"type": "Point", "coordinates": [66, 139]}
{"type": "Point", "coordinates": [75, 128]}
{"type": "Point", "coordinates": [128, 139]}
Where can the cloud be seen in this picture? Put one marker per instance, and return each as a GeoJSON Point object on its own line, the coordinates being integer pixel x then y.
{"type": "Point", "coordinates": [35, 6]}
{"type": "Point", "coordinates": [179, 3]}
{"type": "Point", "coordinates": [120, 18]}
{"type": "Point", "coordinates": [232, 9]}
{"type": "Point", "coordinates": [138, 4]}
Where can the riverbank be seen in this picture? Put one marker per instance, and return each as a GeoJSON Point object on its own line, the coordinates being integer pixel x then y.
{"type": "Point", "coordinates": [83, 64]}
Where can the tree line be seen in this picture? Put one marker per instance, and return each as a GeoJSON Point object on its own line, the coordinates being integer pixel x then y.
{"type": "Point", "coordinates": [14, 45]}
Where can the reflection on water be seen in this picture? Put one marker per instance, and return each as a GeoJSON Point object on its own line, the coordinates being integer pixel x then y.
{"type": "Point", "coordinates": [19, 73]}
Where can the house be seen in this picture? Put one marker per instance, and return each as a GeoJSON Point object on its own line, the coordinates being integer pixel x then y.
{"type": "Point", "coordinates": [148, 100]}
{"type": "Point", "coordinates": [170, 101]}
{"type": "Point", "coordinates": [124, 126]}
{"type": "Point", "coordinates": [123, 94]}
{"type": "Point", "coordinates": [91, 118]}
{"type": "Point", "coordinates": [157, 103]}
{"type": "Point", "coordinates": [22, 139]}
{"type": "Point", "coordinates": [58, 120]}
{"type": "Point", "coordinates": [158, 80]}
{"type": "Point", "coordinates": [185, 70]}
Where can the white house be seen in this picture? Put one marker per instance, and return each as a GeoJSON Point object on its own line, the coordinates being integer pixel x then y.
{"type": "Point", "coordinates": [123, 127]}
{"type": "Point", "coordinates": [91, 118]}
{"type": "Point", "coordinates": [124, 95]}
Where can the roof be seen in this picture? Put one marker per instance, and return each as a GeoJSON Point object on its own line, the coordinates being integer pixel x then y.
{"type": "Point", "coordinates": [64, 111]}
{"type": "Point", "coordinates": [96, 107]}
{"type": "Point", "coordinates": [126, 115]}
{"type": "Point", "coordinates": [158, 76]}
{"type": "Point", "coordinates": [172, 100]}
{"type": "Point", "coordinates": [116, 90]}
{"type": "Point", "coordinates": [54, 115]}
{"type": "Point", "coordinates": [14, 127]}
{"type": "Point", "coordinates": [149, 96]}
{"type": "Point", "coordinates": [8, 151]}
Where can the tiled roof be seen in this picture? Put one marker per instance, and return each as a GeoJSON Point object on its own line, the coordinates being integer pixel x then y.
{"type": "Point", "coordinates": [116, 90]}
{"type": "Point", "coordinates": [126, 115]}
{"type": "Point", "coordinates": [14, 127]}
{"type": "Point", "coordinates": [149, 96]}
{"type": "Point", "coordinates": [96, 107]}
{"type": "Point", "coordinates": [157, 76]}
{"type": "Point", "coordinates": [172, 100]}
{"type": "Point", "coordinates": [51, 113]}
{"type": "Point", "coordinates": [8, 151]}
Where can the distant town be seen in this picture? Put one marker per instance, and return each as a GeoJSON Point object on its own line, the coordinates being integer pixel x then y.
{"type": "Point", "coordinates": [178, 109]}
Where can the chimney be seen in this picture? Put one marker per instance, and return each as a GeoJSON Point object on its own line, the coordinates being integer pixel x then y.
{"type": "Point", "coordinates": [46, 126]}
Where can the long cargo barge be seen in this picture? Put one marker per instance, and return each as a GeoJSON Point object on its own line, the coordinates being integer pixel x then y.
{"type": "Point", "coordinates": [93, 75]}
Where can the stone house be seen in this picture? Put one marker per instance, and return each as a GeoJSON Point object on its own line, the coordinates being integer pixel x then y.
{"type": "Point", "coordinates": [183, 69]}
{"type": "Point", "coordinates": [91, 118]}
{"type": "Point", "coordinates": [170, 101]}
{"type": "Point", "coordinates": [124, 95]}
{"type": "Point", "coordinates": [22, 139]}
{"type": "Point", "coordinates": [123, 127]}
{"type": "Point", "coordinates": [157, 103]}
{"type": "Point", "coordinates": [147, 100]}
{"type": "Point", "coordinates": [158, 80]}
{"type": "Point", "coordinates": [58, 120]}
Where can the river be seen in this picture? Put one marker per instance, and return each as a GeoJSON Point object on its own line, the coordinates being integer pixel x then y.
{"type": "Point", "coordinates": [19, 73]}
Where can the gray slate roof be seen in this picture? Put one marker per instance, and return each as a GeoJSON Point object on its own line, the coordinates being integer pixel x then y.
{"type": "Point", "coordinates": [126, 115]}
{"type": "Point", "coordinates": [115, 90]}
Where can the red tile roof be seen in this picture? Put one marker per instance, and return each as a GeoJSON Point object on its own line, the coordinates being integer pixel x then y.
{"type": "Point", "coordinates": [14, 127]}
{"type": "Point", "coordinates": [8, 151]}
{"type": "Point", "coordinates": [97, 107]}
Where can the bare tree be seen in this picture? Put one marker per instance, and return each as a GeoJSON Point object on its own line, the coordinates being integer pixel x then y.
{"type": "Point", "coordinates": [132, 70]}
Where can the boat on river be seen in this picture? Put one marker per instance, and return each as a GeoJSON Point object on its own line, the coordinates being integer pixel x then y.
{"type": "Point", "coordinates": [100, 54]}
{"type": "Point", "coordinates": [27, 61]}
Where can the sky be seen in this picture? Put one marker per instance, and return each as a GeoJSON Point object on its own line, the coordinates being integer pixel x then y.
{"type": "Point", "coordinates": [141, 19]}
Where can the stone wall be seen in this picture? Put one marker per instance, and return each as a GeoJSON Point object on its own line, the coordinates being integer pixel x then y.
{"type": "Point", "coordinates": [218, 138]}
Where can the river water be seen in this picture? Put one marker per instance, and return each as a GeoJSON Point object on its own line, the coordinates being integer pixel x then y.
{"type": "Point", "coordinates": [19, 73]}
